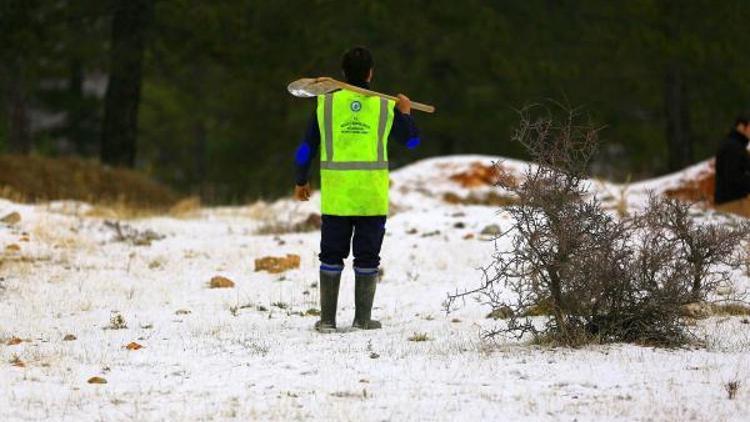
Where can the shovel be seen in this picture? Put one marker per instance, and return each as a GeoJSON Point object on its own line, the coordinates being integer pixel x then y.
{"type": "Point", "coordinates": [312, 87]}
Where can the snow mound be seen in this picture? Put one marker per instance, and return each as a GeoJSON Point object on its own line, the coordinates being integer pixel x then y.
{"type": "Point", "coordinates": [471, 179]}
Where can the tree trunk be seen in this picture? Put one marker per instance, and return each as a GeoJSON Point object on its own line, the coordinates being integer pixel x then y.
{"type": "Point", "coordinates": [679, 142]}
{"type": "Point", "coordinates": [19, 136]}
{"type": "Point", "coordinates": [119, 134]}
{"type": "Point", "coordinates": [556, 301]}
{"type": "Point", "coordinates": [74, 130]}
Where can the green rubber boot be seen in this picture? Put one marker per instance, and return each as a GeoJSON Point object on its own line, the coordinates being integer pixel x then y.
{"type": "Point", "coordinates": [364, 294]}
{"type": "Point", "coordinates": [329, 297]}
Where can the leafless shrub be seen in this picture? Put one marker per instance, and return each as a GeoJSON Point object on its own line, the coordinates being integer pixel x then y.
{"type": "Point", "coordinates": [128, 234]}
{"type": "Point", "coordinates": [708, 251]}
{"type": "Point", "coordinates": [732, 387]}
{"type": "Point", "coordinates": [597, 277]}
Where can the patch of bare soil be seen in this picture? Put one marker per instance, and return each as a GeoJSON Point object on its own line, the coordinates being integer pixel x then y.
{"type": "Point", "coordinates": [697, 189]}
{"type": "Point", "coordinates": [480, 174]}
{"type": "Point", "coordinates": [274, 264]}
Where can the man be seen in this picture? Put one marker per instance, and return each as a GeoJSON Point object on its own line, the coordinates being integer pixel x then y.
{"type": "Point", "coordinates": [354, 130]}
{"type": "Point", "coordinates": [733, 170]}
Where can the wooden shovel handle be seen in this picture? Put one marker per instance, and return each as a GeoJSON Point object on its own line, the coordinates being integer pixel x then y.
{"type": "Point", "coordinates": [343, 85]}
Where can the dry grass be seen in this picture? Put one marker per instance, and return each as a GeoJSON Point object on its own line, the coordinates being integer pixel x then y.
{"type": "Point", "coordinates": [419, 337]}
{"type": "Point", "coordinates": [489, 199]}
{"type": "Point", "coordinates": [122, 210]}
{"type": "Point", "coordinates": [616, 201]}
{"type": "Point", "coordinates": [34, 178]}
{"type": "Point", "coordinates": [730, 309]}
{"type": "Point", "coordinates": [278, 225]}
{"type": "Point", "coordinates": [186, 208]}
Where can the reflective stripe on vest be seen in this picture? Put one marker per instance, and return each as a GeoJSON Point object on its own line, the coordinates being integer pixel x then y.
{"type": "Point", "coordinates": [329, 164]}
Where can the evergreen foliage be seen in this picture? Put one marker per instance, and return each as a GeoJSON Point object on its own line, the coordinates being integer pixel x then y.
{"type": "Point", "coordinates": [214, 117]}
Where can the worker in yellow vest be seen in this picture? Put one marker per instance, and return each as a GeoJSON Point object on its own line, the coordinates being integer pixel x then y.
{"type": "Point", "coordinates": [352, 131]}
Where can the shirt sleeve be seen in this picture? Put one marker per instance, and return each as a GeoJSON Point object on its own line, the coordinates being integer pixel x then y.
{"type": "Point", "coordinates": [307, 150]}
{"type": "Point", "coordinates": [404, 131]}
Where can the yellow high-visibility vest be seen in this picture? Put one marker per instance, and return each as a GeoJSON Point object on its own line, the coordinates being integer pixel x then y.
{"type": "Point", "coordinates": [354, 131]}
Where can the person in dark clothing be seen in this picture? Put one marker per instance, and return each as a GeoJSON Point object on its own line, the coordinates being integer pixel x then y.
{"type": "Point", "coordinates": [732, 193]}
{"type": "Point", "coordinates": [353, 187]}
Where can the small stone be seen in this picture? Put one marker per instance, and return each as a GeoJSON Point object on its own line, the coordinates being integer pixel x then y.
{"type": "Point", "coordinates": [468, 236]}
{"type": "Point", "coordinates": [491, 230]}
{"type": "Point", "coordinates": [182, 312]}
{"type": "Point", "coordinates": [11, 219]}
{"type": "Point", "coordinates": [133, 346]}
{"type": "Point", "coordinates": [69, 337]}
{"type": "Point", "coordinates": [97, 380]}
{"type": "Point", "coordinates": [459, 225]}
{"type": "Point", "coordinates": [275, 265]}
{"type": "Point", "coordinates": [220, 282]}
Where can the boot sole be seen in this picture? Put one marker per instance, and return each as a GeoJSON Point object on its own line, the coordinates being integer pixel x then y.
{"type": "Point", "coordinates": [327, 329]}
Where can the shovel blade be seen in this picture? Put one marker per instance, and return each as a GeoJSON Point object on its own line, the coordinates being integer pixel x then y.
{"type": "Point", "coordinates": [311, 87]}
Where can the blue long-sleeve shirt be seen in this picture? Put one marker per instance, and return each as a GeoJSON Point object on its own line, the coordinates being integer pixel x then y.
{"type": "Point", "coordinates": [404, 131]}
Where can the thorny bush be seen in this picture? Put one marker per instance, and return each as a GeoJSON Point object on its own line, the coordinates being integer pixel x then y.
{"type": "Point", "coordinates": [596, 277]}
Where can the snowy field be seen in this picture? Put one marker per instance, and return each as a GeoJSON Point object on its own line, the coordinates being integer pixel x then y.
{"type": "Point", "coordinates": [250, 353]}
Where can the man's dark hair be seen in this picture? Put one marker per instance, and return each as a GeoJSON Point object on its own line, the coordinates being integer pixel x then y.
{"type": "Point", "coordinates": [742, 119]}
{"type": "Point", "coordinates": [356, 64]}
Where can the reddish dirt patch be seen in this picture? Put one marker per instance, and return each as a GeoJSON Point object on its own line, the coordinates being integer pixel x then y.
{"type": "Point", "coordinates": [700, 188]}
{"type": "Point", "coordinates": [133, 346]}
{"type": "Point", "coordinates": [483, 175]}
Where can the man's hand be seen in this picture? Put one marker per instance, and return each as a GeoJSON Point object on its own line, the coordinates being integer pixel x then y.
{"type": "Point", "coordinates": [403, 104]}
{"type": "Point", "coordinates": [302, 193]}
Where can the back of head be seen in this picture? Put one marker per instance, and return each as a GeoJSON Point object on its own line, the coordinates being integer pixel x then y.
{"type": "Point", "coordinates": [356, 64]}
{"type": "Point", "coordinates": [742, 119]}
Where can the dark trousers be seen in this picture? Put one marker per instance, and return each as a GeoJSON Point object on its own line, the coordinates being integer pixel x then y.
{"type": "Point", "coordinates": [336, 239]}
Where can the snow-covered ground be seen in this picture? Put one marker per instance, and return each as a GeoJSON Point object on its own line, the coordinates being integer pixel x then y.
{"type": "Point", "coordinates": [249, 353]}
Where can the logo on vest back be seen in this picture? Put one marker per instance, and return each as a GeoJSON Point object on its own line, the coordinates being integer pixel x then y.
{"type": "Point", "coordinates": [356, 106]}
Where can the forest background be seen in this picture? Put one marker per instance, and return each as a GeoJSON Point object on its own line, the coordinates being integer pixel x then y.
{"type": "Point", "coordinates": [192, 92]}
